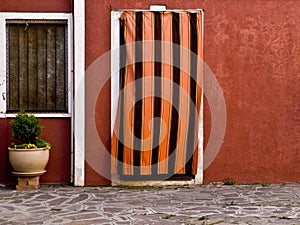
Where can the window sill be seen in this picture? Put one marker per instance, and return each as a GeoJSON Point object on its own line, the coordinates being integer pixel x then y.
{"type": "Point", "coordinates": [39, 115]}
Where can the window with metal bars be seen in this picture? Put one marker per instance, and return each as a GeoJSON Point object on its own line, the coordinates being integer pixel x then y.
{"type": "Point", "coordinates": [37, 68]}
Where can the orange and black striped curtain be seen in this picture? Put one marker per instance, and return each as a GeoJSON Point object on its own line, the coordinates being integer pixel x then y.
{"type": "Point", "coordinates": [156, 126]}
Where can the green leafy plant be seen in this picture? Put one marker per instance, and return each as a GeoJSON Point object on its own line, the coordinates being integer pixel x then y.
{"type": "Point", "coordinates": [169, 216]}
{"type": "Point", "coordinates": [25, 132]}
{"type": "Point", "coordinates": [264, 182]}
{"type": "Point", "coordinates": [230, 203]}
{"type": "Point", "coordinates": [229, 181]}
{"type": "Point", "coordinates": [203, 218]}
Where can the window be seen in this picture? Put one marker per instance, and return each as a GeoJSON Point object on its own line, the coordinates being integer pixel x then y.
{"type": "Point", "coordinates": [37, 65]}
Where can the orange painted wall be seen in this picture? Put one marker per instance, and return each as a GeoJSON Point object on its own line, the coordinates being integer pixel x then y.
{"type": "Point", "coordinates": [253, 49]}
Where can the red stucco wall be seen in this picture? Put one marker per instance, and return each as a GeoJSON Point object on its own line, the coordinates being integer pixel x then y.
{"type": "Point", "coordinates": [58, 133]}
{"type": "Point", "coordinates": [35, 6]}
{"type": "Point", "coordinates": [4, 139]}
{"type": "Point", "coordinates": [55, 131]}
{"type": "Point", "coordinates": [253, 49]}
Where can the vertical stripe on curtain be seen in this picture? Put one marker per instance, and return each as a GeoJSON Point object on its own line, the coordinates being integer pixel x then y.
{"type": "Point", "coordinates": [156, 126]}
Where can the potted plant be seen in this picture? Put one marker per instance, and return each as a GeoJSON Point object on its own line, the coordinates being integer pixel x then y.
{"type": "Point", "coordinates": [28, 154]}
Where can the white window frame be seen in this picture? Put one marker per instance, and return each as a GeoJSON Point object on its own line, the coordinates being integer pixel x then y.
{"type": "Point", "coordinates": [3, 58]}
{"type": "Point", "coordinates": [115, 43]}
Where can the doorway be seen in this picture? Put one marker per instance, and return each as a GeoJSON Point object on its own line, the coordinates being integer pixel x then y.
{"type": "Point", "coordinates": [157, 97]}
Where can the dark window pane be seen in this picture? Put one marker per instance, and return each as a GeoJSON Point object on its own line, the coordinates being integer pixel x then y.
{"type": "Point", "coordinates": [37, 68]}
{"type": "Point", "coordinates": [13, 82]}
{"type": "Point", "coordinates": [32, 68]}
{"type": "Point", "coordinates": [42, 67]}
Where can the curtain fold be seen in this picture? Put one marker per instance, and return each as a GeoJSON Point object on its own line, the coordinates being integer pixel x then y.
{"type": "Point", "coordinates": [156, 128]}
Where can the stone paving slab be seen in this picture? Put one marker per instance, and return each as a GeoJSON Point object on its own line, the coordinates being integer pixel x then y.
{"type": "Point", "coordinates": [206, 204]}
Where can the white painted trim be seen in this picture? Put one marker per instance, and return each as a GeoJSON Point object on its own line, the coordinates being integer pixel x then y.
{"type": "Point", "coordinates": [71, 95]}
{"type": "Point", "coordinates": [115, 32]}
{"type": "Point", "coordinates": [34, 16]}
{"type": "Point", "coordinates": [117, 182]}
{"type": "Point", "coordinates": [115, 57]}
{"type": "Point", "coordinates": [158, 8]}
{"type": "Point", "coordinates": [79, 92]}
{"type": "Point", "coordinates": [168, 10]}
{"type": "Point", "coordinates": [2, 65]}
{"type": "Point", "coordinates": [199, 175]}
{"type": "Point", "coordinates": [42, 115]}
{"type": "Point", "coordinates": [200, 166]}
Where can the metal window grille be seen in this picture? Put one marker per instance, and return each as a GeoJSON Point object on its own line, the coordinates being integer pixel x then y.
{"type": "Point", "coordinates": [37, 77]}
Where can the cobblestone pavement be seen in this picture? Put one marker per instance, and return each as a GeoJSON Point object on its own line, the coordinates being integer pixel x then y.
{"type": "Point", "coordinates": [208, 204]}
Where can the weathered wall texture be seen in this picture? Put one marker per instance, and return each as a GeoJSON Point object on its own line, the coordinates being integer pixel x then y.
{"type": "Point", "coordinates": [253, 48]}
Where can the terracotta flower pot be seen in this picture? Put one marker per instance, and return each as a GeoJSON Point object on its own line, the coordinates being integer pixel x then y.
{"type": "Point", "coordinates": [28, 162]}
